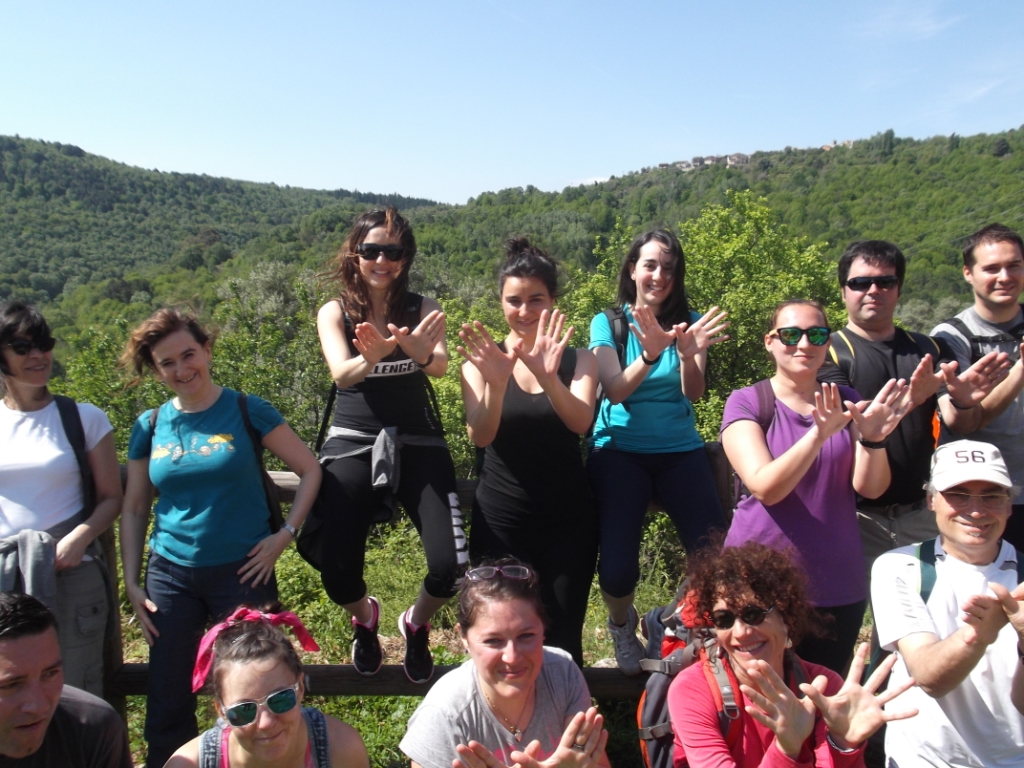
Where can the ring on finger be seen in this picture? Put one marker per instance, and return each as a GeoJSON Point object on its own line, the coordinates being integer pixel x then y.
{"type": "Point", "coordinates": [580, 747]}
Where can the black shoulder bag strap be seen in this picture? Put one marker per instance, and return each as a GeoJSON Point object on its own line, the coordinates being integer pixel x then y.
{"type": "Point", "coordinates": [843, 355]}
{"type": "Point", "coordinates": [71, 420]}
{"type": "Point", "coordinates": [269, 487]}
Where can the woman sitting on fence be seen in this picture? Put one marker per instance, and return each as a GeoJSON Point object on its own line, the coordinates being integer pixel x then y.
{"type": "Point", "coordinates": [645, 442]}
{"type": "Point", "coordinates": [789, 711]}
{"type": "Point", "coordinates": [212, 546]}
{"type": "Point", "coordinates": [514, 701]}
{"type": "Point", "coordinates": [528, 400]}
{"type": "Point", "coordinates": [381, 342]}
{"type": "Point", "coordinates": [46, 508]}
{"type": "Point", "coordinates": [258, 686]}
{"type": "Point", "coordinates": [802, 457]}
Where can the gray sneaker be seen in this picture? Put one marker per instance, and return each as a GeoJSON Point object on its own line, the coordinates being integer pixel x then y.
{"type": "Point", "coordinates": [628, 648]}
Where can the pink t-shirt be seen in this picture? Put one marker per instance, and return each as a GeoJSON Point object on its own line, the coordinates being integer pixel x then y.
{"type": "Point", "coordinates": [818, 520]}
{"type": "Point", "coordinates": [699, 742]}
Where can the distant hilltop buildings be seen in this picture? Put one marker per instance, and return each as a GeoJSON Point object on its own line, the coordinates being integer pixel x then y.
{"type": "Point", "coordinates": [734, 160]}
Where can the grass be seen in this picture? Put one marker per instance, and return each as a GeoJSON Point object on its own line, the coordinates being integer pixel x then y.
{"type": "Point", "coordinates": [394, 568]}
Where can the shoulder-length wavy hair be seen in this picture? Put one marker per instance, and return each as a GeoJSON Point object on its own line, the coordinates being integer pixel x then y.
{"type": "Point", "coordinates": [344, 268]}
{"type": "Point", "coordinates": [677, 308]}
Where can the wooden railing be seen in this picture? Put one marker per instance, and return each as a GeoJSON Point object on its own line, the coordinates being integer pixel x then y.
{"type": "Point", "coordinates": [130, 679]}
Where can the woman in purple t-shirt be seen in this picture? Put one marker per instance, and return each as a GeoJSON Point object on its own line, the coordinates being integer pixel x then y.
{"type": "Point", "coordinates": [803, 472]}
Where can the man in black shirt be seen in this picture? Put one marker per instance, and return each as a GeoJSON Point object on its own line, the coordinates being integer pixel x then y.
{"type": "Point", "coordinates": [868, 352]}
{"type": "Point", "coordinates": [43, 722]}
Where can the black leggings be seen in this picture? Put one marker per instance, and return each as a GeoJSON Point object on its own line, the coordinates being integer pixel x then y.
{"type": "Point", "coordinates": [835, 650]}
{"type": "Point", "coordinates": [563, 552]}
{"type": "Point", "coordinates": [624, 484]}
{"type": "Point", "coordinates": [428, 494]}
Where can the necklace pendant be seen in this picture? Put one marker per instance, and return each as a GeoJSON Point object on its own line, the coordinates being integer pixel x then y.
{"type": "Point", "coordinates": [517, 734]}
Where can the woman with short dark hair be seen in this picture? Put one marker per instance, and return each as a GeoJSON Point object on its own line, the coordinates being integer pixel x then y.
{"type": "Point", "coordinates": [42, 490]}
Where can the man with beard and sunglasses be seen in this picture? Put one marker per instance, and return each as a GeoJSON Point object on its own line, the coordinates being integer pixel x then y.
{"type": "Point", "coordinates": [870, 351]}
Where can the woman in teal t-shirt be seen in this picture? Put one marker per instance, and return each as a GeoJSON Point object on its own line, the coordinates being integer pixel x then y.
{"type": "Point", "coordinates": [645, 443]}
{"type": "Point", "coordinates": [212, 548]}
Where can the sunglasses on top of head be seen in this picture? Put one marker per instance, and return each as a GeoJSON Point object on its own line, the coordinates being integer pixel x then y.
{"type": "Point", "coordinates": [510, 571]}
{"type": "Point", "coordinates": [862, 284]}
{"type": "Point", "coordinates": [752, 616]}
{"type": "Point", "coordinates": [24, 346]}
{"type": "Point", "coordinates": [818, 335]}
{"type": "Point", "coordinates": [244, 712]}
{"type": "Point", "coordinates": [371, 251]}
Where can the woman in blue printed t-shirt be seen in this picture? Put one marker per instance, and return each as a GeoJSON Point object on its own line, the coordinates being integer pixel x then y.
{"type": "Point", "coordinates": [212, 548]}
{"type": "Point", "coordinates": [645, 442]}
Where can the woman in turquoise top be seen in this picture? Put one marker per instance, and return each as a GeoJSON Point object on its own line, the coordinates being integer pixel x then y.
{"type": "Point", "coordinates": [645, 443]}
{"type": "Point", "coordinates": [212, 547]}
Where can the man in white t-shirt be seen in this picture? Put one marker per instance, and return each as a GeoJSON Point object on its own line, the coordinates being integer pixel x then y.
{"type": "Point", "coordinates": [954, 610]}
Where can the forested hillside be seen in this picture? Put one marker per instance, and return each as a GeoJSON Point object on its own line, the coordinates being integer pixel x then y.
{"type": "Point", "coordinates": [66, 215]}
{"type": "Point", "coordinates": [102, 240]}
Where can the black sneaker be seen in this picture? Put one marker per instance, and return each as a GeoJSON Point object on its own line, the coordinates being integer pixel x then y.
{"type": "Point", "coordinates": [367, 656]}
{"type": "Point", "coordinates": [418, 663]}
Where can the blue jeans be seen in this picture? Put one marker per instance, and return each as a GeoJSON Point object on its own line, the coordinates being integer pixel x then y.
{"type": "Point", "coordinates": [624, 484]}
{"type": "Point", "coordinates": [188, 600]}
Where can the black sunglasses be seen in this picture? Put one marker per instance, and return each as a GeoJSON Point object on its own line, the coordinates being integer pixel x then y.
{"type": "Point", "coordinates": [485, 572]}
{"type": "Point", "coordinates": [371, 251]}
{"type": "Point", "coordinates": [24, 346]}
{"type": "Point", "coordinates": [862, 284]}
{"type": "Point", "coordinates": [818, 335]}
{"type": "Point", "coordinates": [752, 616]}
{"type": "Point", "coordinates": [244, 712]}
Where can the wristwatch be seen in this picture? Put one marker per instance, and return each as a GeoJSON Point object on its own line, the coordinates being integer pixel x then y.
{"type": "Point", "coordinates": [291, 529]}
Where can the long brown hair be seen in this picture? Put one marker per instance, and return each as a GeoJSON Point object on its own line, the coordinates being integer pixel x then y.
{"type": "Point", "coordinates": [345, 265]}
{"type": "Point", "coordinates": [676, 308]}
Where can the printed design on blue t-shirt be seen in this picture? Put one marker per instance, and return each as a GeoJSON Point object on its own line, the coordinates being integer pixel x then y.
{"type": "Point", "coordinates": [198, 446]}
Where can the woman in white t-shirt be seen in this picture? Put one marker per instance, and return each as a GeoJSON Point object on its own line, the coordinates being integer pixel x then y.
{"type": "Point", "coordinates": [41, 491]}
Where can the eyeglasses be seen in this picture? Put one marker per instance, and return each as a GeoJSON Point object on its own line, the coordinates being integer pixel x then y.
{"type": "Point", "coordinates": [244, 712]}
{"type": "Point", "coordinates": [752, 616]}
{"type": "Point", "coordinates": [24, 346]}
{"type": "Point", "coordinates": [371, 251]}
{"type": "Point", "coordinates": [862, 284]}
{"type": "Point", "coordinates": [790, 337]}
{"type": "Point", "coordinates": [958, 500]}
{"type": "Point", "coordinates": [486, 572]}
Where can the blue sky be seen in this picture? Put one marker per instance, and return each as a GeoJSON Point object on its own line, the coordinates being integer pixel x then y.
{"type": "Point", "coordinates": [448, 99]}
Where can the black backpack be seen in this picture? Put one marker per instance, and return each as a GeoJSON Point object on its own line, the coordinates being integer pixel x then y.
{"type": "Point", "coordinates": [1013, 336]}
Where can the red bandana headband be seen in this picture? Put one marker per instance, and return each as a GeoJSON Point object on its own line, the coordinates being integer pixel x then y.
{"type": "Point", "coordinates": [204, 659]}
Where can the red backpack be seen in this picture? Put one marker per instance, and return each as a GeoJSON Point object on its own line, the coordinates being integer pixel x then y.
{"type": "Point", "coordinates": [676, 638]}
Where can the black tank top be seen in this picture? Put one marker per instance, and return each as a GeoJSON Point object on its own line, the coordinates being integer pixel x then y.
{"type": "Point", "coordinates": [535, 464]}
{"type": "Point", "coordinates": [396, 393]}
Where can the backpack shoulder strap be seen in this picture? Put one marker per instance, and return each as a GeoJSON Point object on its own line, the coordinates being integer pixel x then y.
{"type": "Point", "coordinates": [620, 332]}
{"type": "Point", "coordinates": [765, 404]}
{"type": "Point", "coordinates": [925, 344]}
{"type": "Point", "coordinates": [926, 559]}
{"type": "Point", "coordinates": [974, 339]}
{"type": "Point", "coordinates": [71, 421]}
{"type": "Point", "coordinates": [843, 354]}
{"type": "Point", "coordinates": [723, 691]}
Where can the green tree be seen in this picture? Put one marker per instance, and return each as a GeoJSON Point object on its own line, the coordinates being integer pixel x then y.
{"type": "Point", "coordinates": [741, 259]}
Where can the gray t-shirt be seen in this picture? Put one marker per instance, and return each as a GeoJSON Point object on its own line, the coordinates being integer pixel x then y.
{"type": "Point", "coordinates": [1006, 431]}
{"type": "Point", "coordinates": [454, 712]}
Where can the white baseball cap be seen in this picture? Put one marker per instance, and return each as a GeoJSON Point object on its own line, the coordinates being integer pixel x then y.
{"type": "Point", "coordinates": [966, 460]}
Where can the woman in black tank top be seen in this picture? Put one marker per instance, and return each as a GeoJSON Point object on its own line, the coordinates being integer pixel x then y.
{"type": "Point", "coordinates": [381, 342]}
{"type": "Point", "coordinates": [528, 400]}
